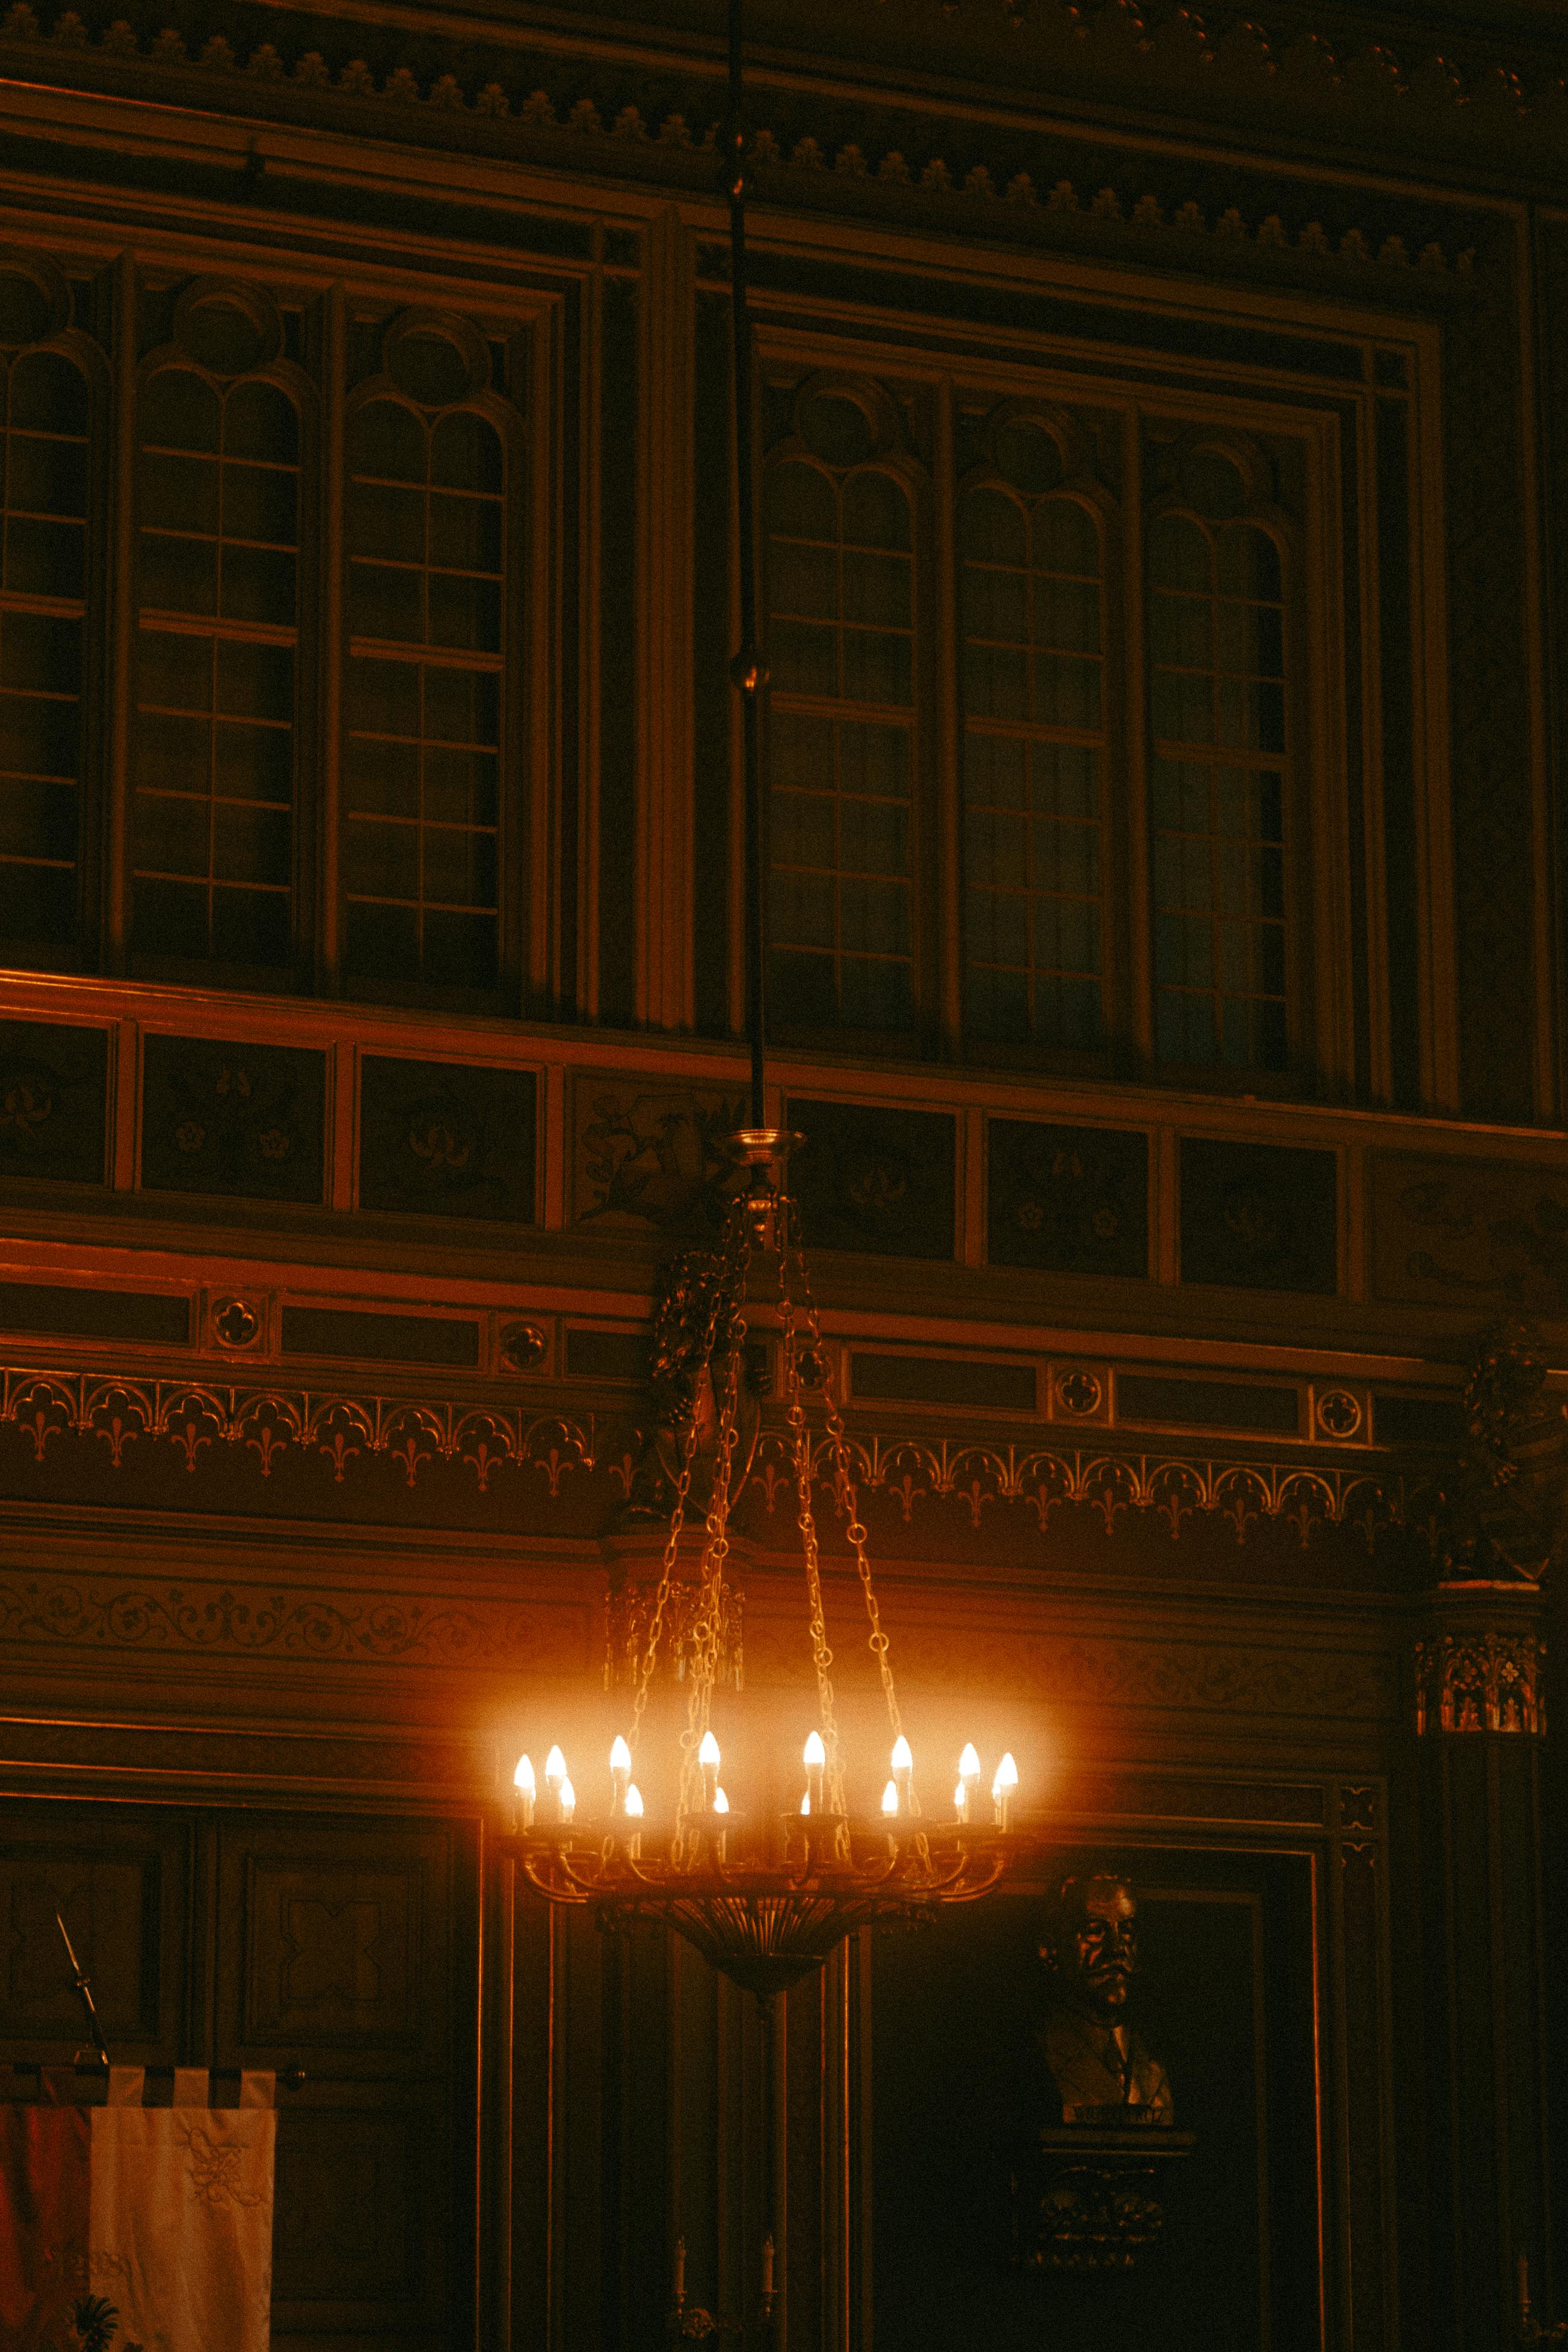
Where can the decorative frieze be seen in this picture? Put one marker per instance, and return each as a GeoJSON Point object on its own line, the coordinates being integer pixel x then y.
{"type": "Point", "coordinates": [200, 1422]}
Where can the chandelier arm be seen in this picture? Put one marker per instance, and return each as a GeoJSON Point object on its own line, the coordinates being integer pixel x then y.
{"type": "Point", "coordinates": [558, 1889]}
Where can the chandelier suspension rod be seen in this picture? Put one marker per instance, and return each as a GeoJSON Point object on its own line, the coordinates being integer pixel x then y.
{"type": "Point", "coordinates": [747, 671]}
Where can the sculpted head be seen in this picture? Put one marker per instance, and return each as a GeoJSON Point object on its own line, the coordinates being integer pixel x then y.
{"type": "Point", "coordinates": [1091, 1944]}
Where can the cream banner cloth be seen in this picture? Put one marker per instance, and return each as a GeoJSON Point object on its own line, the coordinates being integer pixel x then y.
{"type": "Point", "coordinates": [180, 2238]}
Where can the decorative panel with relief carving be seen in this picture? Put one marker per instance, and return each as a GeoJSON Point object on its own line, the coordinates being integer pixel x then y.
{"type": "Point", "coordinates": [344, 1945]}
{"type": "Point", "coordinates": [351, 2247]}
{"type": "Point", "coordinates": [117, 1882]}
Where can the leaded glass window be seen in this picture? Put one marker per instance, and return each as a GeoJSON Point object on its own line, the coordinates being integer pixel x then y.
{"type": "Point", "coordinates": [840, 594]}
{"type": "Point", "coordinates": [43, 588]}
{"type": "Point", "coordinates": [216, 646]}
{"type": "Point", "coordinates": [1032, 623]}
{"type": "Point", "coordinates": [422, 754]}
{"type": "Point", "coordinates": [1219, 779]}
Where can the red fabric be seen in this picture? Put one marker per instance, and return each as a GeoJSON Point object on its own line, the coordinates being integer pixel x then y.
{"type": "Point", "coordinates": [45, 2205]}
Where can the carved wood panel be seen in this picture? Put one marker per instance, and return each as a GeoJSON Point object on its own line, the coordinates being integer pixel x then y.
{"type": "Point", "coordinates": [118, 1880]}
{"type": "Point", "coordinates": [336, 1937]}
{"type": "Point", "coordinates": [348, 1947]}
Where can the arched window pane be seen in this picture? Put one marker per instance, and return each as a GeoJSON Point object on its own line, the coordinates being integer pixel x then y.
{"type": "Point", "coordinates": [425, 539]}
{"type": "Point", "coordinates": [42, 589]}
{"type": "Point", "coordinates": [1217, 701]}
{"type": "Point", "coordinates": [841, 649]}
{"type": "Point", "coordinates": [1031, 598]}
{"type": "Point", "coordinates": [213, 756]}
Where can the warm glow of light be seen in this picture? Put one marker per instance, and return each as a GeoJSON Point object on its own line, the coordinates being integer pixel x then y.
{"type": "Point", "coordinates": [1007, 1779]}
{"type": "Point", "coordinates": [903, 1761]}
{"type": "Point", "coordinates": [620, 1755]}
{"type": "Point", "coordinates": [555, 1769]}
{"type": "Point", "coordinates": [721, 1802]}
{"type": "Point", "coordinates": [568, 1800]}
{"type": "Point", "coordinates": [634, 1802]}
{"type": "Point", "coordinates": [960, 1797]}
{"type": "Point", "coordinates": [708, 1754]}
{"type": "Point", "coordinates": [969, 1763]}
{"type": "Point", "coordinates": [890, 1798]}
{"type": "Point", "coordinates": [815, 1754]}
{"type": "Point", "coordinates": [523, 1776]}
{"type": "Point", "coordinates": [805, 1802]}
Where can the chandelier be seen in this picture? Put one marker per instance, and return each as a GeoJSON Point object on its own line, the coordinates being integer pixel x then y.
{"type": "Point", "coordinates": [765, 1897]}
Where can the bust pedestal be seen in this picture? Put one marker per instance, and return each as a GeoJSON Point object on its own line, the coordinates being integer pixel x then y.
{"type": "Point", "coordinates": [1091, 2198]}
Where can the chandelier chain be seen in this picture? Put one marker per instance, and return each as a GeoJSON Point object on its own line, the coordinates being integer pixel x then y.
{"type": "Point", "coordinates": [822, 1655]}
{"type": "Point", "coordinates": [721, 1303]}
{"type": "Point", "coordinates": [844, 1481]}
{"type": "Point", "coordinates": [716, 1549]}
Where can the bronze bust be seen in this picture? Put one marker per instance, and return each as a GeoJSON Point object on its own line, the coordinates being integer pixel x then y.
{"type": "Point", "coordinates": [1099, 2065]}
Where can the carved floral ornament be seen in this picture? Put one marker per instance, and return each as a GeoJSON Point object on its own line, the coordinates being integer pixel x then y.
{"type": "Point", "coordinates": [1493, 1681]}
{"type": "Point", "coordinates": [194, 1418]}
{"type": "Point", "coordinates": [1112, 39]}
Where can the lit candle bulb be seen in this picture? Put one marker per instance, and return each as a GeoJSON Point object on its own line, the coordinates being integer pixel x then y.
{"type": "Point", "coordinates": [815, 1764]}
{"type": "Point", "coordinates": [960, 1802]}
{"type": "Point", "coordinates": [968, 1779]}
{"type": "Point", "coordinates": [567, 1800]}
{"type": "Point", "coordinates": [721, 1808]}
{"type": "Point", "coordinates": [891, 1798]}
{"type": "Point", "coordinates": [903, 1767]}
{"type": "Point", "coordinates": [805, 1802]}
{"type": "Point", "coordinates": [555, 1776]}
{"type": "Point", "coordinates": [1002, 1788]}
{"type": "Point", "coordinates": [708, 1756]}
{"type": "Point", "coordinates": [633, 1815]}
{"type": "Point", "coordinates": [620, 1774]}
{"type": "Point", "coordinates": [523, 1781]}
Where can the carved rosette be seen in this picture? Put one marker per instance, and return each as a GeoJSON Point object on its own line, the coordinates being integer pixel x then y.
{"type": "Point", "coordinates": [1486, 1675]}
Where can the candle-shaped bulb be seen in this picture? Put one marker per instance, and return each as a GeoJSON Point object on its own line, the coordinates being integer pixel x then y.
{"type": "Point", "coordinates": [567, 1800]}
{"type": "Point", "coordinates": [522, 1779]}
{"type": "Point", "coordinates": [969, 1763]}
{"type": "Point", "coordinates": [890, 1798]}
{"type": "Point", "coordinates": [721, 1802]}
{"type": "Point", "coordinates": [555, 1769]}
{"type": "Point", "coordinates": [815, 1754]}
{"type": "Point", "coordinates": [903, 1759]}
{"type": "Point", "coordinates": [620, 1773]}
{"type": "Point", "coordinates": [634, 1802]}
{"type": "Point", "coordinates": [961, 1801]}
{"type": "Point", "coordinates": [1002, 1788]}
{"type": "Point", "coordinates": [709, 1751]}
{"type": "Point", "coordinates": [805, 1802]}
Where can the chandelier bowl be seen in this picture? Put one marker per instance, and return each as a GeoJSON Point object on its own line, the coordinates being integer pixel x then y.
{"type": "Point", "coordinates": [765, 1923]}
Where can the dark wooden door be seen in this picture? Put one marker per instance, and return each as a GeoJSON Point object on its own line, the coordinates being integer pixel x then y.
{"type": "Point", "coordinates": [237, 1938]}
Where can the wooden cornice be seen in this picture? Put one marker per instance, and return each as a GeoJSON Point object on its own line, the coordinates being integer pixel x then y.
{"type": "Point", "coordinates": [977, 149]}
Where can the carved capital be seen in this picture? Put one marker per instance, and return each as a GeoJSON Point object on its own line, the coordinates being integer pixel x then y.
{"type": "Point", "coordinates": [1481, 1668]}
{"type": "Point", "coordinates": [629, 1621]}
